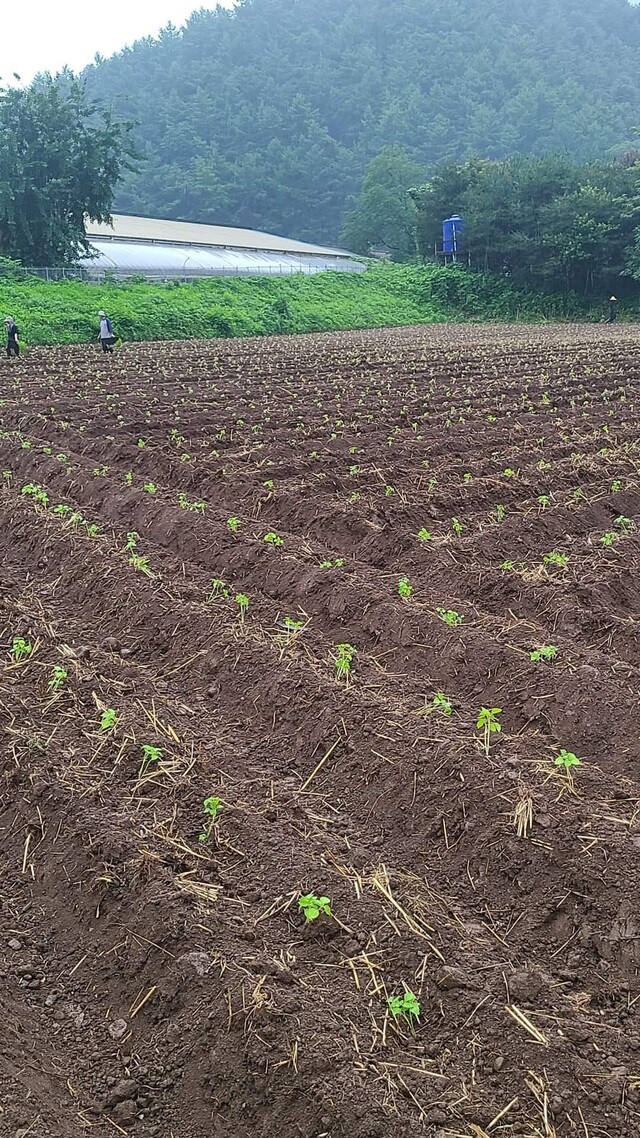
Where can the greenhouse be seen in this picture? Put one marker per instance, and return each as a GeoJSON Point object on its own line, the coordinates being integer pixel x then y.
{"type": "Point", "coordinates": [158, 249]}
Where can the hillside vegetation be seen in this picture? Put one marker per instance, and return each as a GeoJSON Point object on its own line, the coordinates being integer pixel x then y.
{"type": "Point", "coordinates": [385, 295]}
{"type": "Point", "coordinates": [267, 116]}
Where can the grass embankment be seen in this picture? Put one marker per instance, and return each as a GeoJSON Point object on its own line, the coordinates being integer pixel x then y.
{"type": "Point", "coordinates": [386, 295]}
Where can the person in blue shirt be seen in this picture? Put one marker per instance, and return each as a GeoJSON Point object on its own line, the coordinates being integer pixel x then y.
{"type": "Point", "coordinates": [106, 337]}
{"type": "Point", "coordinates": [13, 337]}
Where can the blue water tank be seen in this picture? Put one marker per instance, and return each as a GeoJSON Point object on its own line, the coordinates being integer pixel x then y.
{"type": "Point", "coordinates": [452, 234]}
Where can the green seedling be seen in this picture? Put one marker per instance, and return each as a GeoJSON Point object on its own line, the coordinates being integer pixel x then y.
{"type": "Point", "coordinates": [292, 627]}
{"type": "Point", "coordinates": [93, 530]}
{"type": "Point", "coordinates": [545, 654]}
{"type": "Point", "coordinates": [450, 617]}
{"type": "Point", "coordinates": [150, 487]}
{"type": "Point", "coordinates": [404, 1007]}
{"type": "Point", "coordinates": [128, 478]}
{"type": "Point", "coordinates": [468, 477]}
{"type": "Point", "coordinates": [313, 906]}
{"type": "Point", "coordinates": [608, 538]}
{"type": "Point", "coordinates": [616, 486]}
{"type": "Point", "coordinates": [555, 558]}
{"type": "Point", "coordinates": [489, 724]}
{"type": "Point", "coordinates": [7, 478]}
{"type": "Point", "coordinates": [218, 588]}
{"type": "Point", "coordinates": [140, 564]}
{"type": "Point", "coordinates": [141, 444]}
{"type": "Point", "coordinates": [343, 660]}
{"type": "Point", "coordinates": [566, 761]}
{"type": "Point", "coordinates": [58, 677]}
{"type": "Point", "coordinates": [457, 526]}
{"type": "Point", "coordinates": [423, 535]}
{"type": "Point", "coordinates": [36, 492]}
{"type": "Point", "coordinates": [338, 563]}
{"type": "Point", "coordinates": [269, 484]}
{"type": "Point", "coordinates": [273, 539]}
{"type": "Point", "coordinates": [108, 719]}
{"type": "Point", "coordinates": [509, 473]}
{"type": "Point", "coordinates": [242, 602]}
{"type": "Point", "coordinates": [500, 512]}
{"type": "Point", "coordinates": [442, 703]}
{"type": "Point", "coordinates": [212, 807]}
{"type": "Point", "coordinates": [543, 500]}
{"type": "Point", "coordinates": [625, 524]}
{"type": "Point", "coordinates": [21, 649]}
{"type": "Point", "coordinates": [405, 589]}
{"type": "Point", "coordinates": [233, 524]}
{"type": "Point", "coordinates": [388, 491]}
{"type": "Point", "coordinates": [508, 565]}
{"type": "Point", "coordinates": [132, 540]}
{"type": "Point", "coordinates": [150, 755]}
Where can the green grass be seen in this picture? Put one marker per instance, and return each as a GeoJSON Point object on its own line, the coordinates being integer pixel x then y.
{"type": "Point", "coordinates": [384, 296]}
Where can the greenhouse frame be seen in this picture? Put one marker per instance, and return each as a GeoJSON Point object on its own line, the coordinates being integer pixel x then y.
{"type": "Point", "coordinates": [159, 250]}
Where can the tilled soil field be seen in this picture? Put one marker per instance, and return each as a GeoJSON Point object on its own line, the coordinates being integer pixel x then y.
{"type": "Point", "coordinates": [352, 617]}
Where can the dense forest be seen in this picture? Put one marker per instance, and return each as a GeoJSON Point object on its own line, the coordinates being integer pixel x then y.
{"type": "Point", "coordinates": [546, 223]}
{"type": "Point", "coordinates": [269, 115]}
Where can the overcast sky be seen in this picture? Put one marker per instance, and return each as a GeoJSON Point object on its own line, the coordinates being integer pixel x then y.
{"type": "Point", "coordinates": [43, 35]}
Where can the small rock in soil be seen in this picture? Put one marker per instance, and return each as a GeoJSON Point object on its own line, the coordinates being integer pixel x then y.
{"type": "Point", "coordinates": [452, 977]}
{"type": "Point", "coordinates": [15, 945]}
{"type": "Point", "coordinates": [123, 1091]}
{"type": "Point", "coordinates": [125, 1111]}
{"type": "Point", "coordinates": [200, 961]}
{"type": "Point", "coordinates": [118, 1029]}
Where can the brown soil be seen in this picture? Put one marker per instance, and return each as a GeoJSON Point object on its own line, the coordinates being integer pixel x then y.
{"type": "Point", "coordinates": [159, 977]}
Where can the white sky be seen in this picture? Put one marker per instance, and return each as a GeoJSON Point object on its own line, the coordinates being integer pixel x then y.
{"type": "Point", "coordinates": [44, 35]}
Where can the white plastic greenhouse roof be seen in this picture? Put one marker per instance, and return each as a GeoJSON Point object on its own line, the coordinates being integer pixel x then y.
{"type": "Point", "coordinates": [192, 233]}
{"type": "Point", "coordinates": [155, 248]}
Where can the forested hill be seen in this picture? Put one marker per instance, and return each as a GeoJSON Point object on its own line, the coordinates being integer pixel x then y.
{"type": "Point", "coordinates": [268, 115]}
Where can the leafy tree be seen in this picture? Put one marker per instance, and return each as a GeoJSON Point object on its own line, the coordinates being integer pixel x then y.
{"type": "Point", "coordinates": [384, 214]}
{"type": "Point", "coordinates": [545, 222]}
{"type": "Point", "coordinates": [60, 159]}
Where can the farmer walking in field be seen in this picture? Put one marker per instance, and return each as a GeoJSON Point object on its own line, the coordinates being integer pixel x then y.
{"type": "Point", "coordinates": [106, 336]}
{"type": "Point", "coordinates": [13, 337]}
{"type": "Point", "coordinates": [613, 311]}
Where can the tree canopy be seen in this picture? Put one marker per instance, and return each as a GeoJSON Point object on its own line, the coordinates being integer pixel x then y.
{"type": "Point", "coordinates": [384, 215]}
{"type": "Point", "coordinates": [546, 222]}
{"type": "Point", "coordinates": [270, 114]}
{"type": "Point", "coordinates": [61, 156]}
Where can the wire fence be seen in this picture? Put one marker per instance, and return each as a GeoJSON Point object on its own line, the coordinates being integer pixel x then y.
{"type": "Point", "coordinates": [100, 276]}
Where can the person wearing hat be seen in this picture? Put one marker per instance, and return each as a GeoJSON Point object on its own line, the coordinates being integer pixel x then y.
{"type": "Point", "coordinates": [106, 336]}
{"type": "Point", "coordinates": [613, 310]}
{"type": "Point", "coordinates": [13, 337]}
